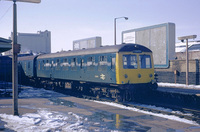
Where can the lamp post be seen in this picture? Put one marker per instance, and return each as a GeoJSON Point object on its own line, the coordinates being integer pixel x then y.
{"type": "Point", "coordinates": [16, 50]}
{"type": "Point", "coordinates": [187, 63]}
{"type": "Point", "coordinates": [126, 18]}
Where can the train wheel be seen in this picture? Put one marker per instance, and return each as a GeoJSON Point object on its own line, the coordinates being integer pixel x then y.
{"type": "Point", "coordinates": [118, 98]}
{"type": "Point", "coordinates": [128, 96]}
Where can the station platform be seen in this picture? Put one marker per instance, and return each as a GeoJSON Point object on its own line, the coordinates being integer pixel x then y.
{"type": "Point", "coordinates": [179, 88]}
{"type": "Point", "coordinates": [5, 44]}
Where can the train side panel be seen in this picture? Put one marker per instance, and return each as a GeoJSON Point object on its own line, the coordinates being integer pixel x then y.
{"type": "Point", "coordinates": [88, 68]}
{"type": "Point", "coordinates": [5, 68]}
{"type": "Point", "coordinates": [27, 66]}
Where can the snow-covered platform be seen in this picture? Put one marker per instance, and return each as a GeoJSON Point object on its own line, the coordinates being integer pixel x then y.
{"type": "Point", "coordinates": [179, 88]}
{"type": "Point", "coordinates": [43, 110]}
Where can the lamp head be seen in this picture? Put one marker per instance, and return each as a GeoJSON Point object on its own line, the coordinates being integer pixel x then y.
{"type": "Point", "coordinates": [126, 18]}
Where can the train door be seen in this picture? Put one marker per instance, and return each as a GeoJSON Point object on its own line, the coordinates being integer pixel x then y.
{"type": "Point", "coordinates": [82, 68]}
{"type": "Point", "coordinates": [52, 69]}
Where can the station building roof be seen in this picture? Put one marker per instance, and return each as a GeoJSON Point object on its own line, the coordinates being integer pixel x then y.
{"type": "Point", "coordinates": [5, 44]}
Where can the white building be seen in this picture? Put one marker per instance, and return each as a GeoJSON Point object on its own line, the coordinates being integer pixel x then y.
{"type": "Point", "coordinates": [39, 42]}
{"type": "Point", "coordinates": [192, 46]}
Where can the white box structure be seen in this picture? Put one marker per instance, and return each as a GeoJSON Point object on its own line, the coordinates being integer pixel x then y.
{"type": "Point", "coordinates": [159, 38]}
{"type": "Point", "coordinates": [87, 43]}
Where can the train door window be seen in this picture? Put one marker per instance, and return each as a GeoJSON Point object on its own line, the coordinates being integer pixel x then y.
{"type": "Point", "coordinates": [82, 62]}
{"type": "Point", "coordinates": [38, 65]}
{"type": "Point", "coordinates": [65, 64]}
{"type": "Point", "coordinates": [57, 64]}
{"type": "Point", "coordinates": [145, 61]}
{"type": "Point", "coordinates": [47, 65]}
{"type": "Point", "coordinates": [52, 64]}
{"type": "Point", "coordinates": [130, 62]}
{"type": "Point", "coordinates": [113, 63]}
{"type": "Point", "coordinates": [24, 66]}
{"type": "Point", "coordinates": [102, 63]}
{"type": "Point", "coordinates": [91, 63]}
{"type": "Point", "coordinates": [74, 64]}
{"type": "Point", "coordinates": [29, 65]}
{"type": "Point", "coordinates": [43, 62]}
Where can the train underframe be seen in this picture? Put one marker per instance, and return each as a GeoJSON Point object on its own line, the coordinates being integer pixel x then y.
{"type": "Point", "coordinates": [119, 93]}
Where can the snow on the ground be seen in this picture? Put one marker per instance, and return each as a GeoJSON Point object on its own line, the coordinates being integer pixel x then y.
{"type": "Point", "coordinates": [179, 85]}
{"type": "Point", "coordinates": [30, 92]}
{"type": "Point", "coordinates": [43, 121]}
{"type": "Point", "coordinates": [171, 117]}
{"type": "Point", "coordinates": [163, 109]}
{"type": "Point", "coordinates": [46, 120]}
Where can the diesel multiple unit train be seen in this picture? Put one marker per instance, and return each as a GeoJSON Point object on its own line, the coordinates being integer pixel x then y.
{"type": "Point", "coordinates": [113, 71]}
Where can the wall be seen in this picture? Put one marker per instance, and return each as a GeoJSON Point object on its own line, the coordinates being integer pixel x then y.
{"type": "Point", "coordinates": [192, 55]}
{"type": "Point", "coordinates": [168, 75]}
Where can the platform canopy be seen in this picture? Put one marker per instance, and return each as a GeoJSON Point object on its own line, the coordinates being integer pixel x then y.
{"type": "Point", "coordinates": [5, 44]}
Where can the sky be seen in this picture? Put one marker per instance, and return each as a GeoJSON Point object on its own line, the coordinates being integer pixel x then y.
{"type": "Point", "coordinates": [70, 20]}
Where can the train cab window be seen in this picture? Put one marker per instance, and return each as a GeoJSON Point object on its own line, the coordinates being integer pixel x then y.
{"type": "Point", "coordinates": [130, 62]}
{"type": "Point", "coordinates": [145, 61]}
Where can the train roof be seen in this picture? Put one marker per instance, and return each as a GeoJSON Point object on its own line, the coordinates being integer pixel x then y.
{"type": "Point", "coordinates": [31, 57]}
{"type": "Point", "coordinates": [100, 50]}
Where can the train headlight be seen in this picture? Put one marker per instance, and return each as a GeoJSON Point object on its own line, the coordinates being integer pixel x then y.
{"type": "Point", "coordinates": [125, 75]}
{"type": "Point", "coordinates": [139, 76]}
{"type": "Point", "coordinates": [150, 75]}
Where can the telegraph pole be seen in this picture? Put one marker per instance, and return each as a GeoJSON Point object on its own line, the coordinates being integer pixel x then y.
{"type": "Point", "coordinates": [14, 62]}
{"type": "Point", "coordinates": [15, 51]}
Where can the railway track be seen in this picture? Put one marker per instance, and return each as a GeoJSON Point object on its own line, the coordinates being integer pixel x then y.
{"type": "Point", "coordinates": [154, 98]}
{"type": "Point", "coordinates": [189, 114]}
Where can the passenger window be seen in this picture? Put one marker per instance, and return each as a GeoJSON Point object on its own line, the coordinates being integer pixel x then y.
{"type": "Point", "coordinates": [145, 61]}
{"type": "Point", "coordinates": [102, 63]}
{"type": "Point", "coordinates": [66, 64]}
{"type": "Point", "coordinates": [130, 62]}
{"type": "Point", "coordinates": [91, 63]}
